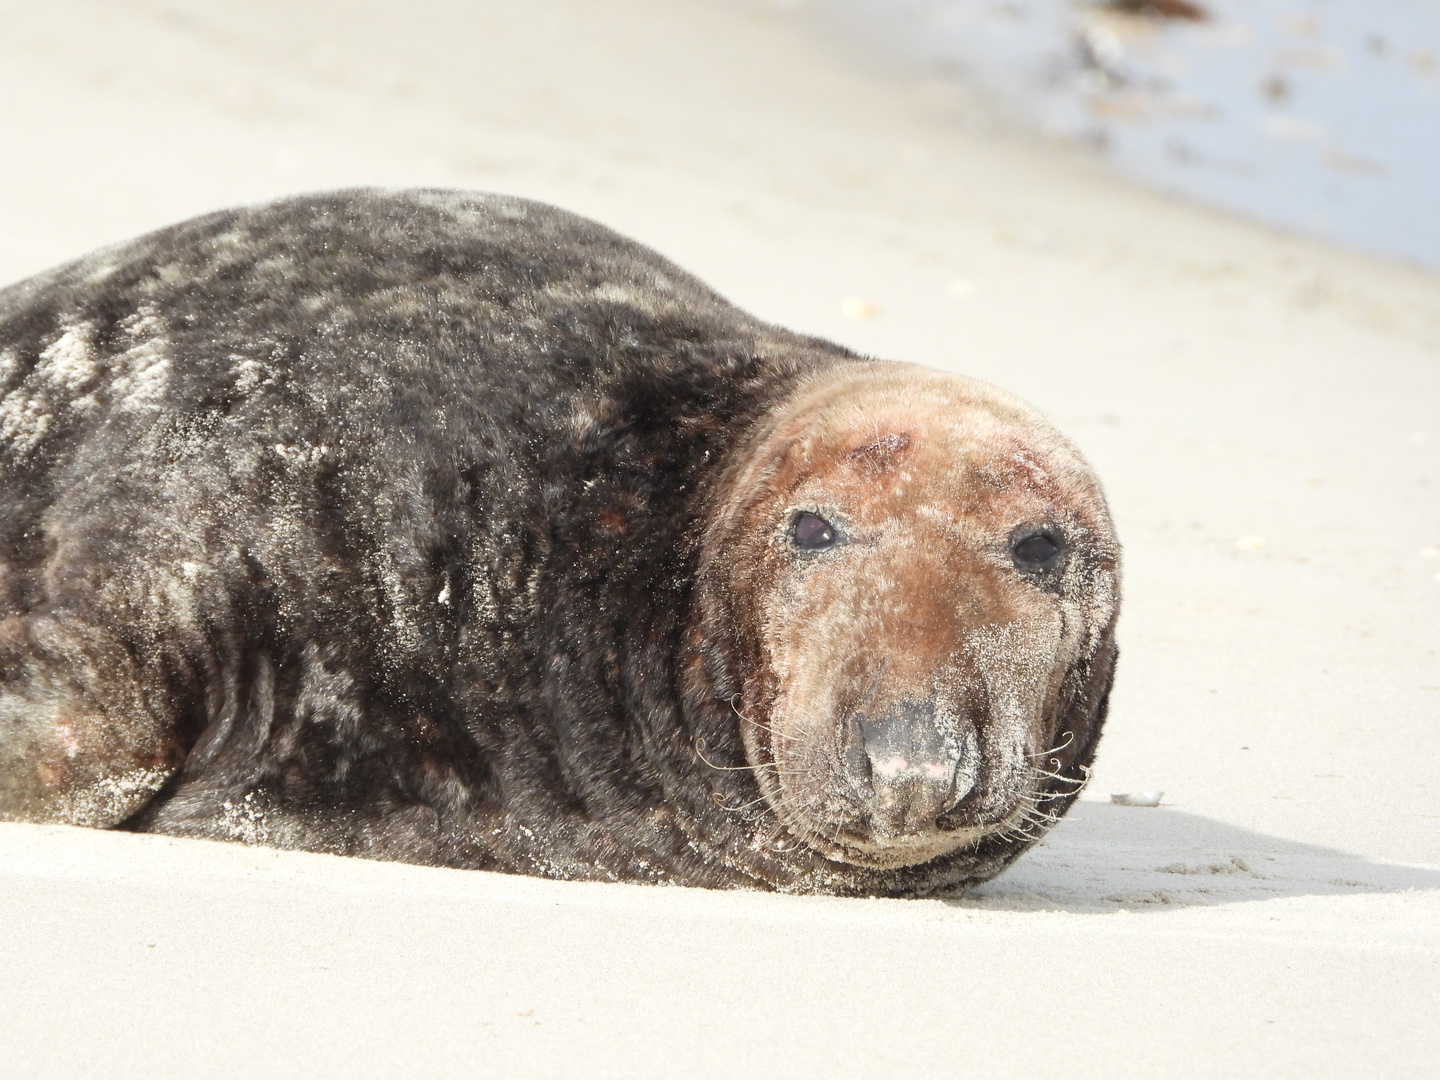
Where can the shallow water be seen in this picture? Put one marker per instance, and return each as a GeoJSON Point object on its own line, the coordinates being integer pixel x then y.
{"type": "Point", "coordinates": [1321, 116]}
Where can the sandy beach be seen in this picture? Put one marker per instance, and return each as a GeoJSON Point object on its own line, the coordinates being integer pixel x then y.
{"type": "Point", "coordinates": [1264, 412]}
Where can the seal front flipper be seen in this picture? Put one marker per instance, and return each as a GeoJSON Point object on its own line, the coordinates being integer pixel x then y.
{"type": "Point", "coordinates": [79, 745]}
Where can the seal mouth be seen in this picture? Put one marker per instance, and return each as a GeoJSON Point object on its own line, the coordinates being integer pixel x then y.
{"type": "Point", "coordinates": [861, 846]}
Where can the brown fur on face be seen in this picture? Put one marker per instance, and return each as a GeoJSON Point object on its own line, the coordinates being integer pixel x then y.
{"type": "Point", "coordinates": [905, 690]}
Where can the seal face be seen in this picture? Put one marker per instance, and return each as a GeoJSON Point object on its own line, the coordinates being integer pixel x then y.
{"type": "Point", "coordinates": [456, 529]}
{"type": "Point", "coordinates": [919, 562]}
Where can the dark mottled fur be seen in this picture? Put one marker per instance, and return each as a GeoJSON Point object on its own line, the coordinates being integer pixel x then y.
{"type": "Point", "coordinates": [377, 515]}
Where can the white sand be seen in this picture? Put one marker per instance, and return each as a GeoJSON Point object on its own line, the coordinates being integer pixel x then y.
{"type": "Point", "coordinates": [1278, 915]}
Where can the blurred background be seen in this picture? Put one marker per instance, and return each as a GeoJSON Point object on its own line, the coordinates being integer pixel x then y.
{"type": "Point", "coordinates": [1317, 115]}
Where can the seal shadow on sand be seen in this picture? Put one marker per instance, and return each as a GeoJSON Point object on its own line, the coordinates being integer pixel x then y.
{"type": "Point", "coordinates": [1104, 858]}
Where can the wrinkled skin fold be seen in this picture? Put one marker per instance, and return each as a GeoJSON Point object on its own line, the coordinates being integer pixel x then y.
{"type": "Point", "coordinates": [459, 530]}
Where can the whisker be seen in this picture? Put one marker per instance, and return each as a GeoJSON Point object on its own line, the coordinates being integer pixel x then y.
{"type": "Point", "coordinates": [756, 723]}
{"type": "Point", "coordinates": [719, 801]}
{"type": "Point", "coordinates": [1069, 739]}
{"type": "Point", "coordinates": [1038, 773]}
{"type": "Point", "coordinates": [700, 753]}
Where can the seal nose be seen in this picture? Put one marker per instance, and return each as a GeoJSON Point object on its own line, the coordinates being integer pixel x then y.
{"type": "Point", "coordinates": [909, 766]}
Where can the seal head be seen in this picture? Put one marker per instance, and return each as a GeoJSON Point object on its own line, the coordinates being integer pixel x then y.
{"type": "Point", "coordinates": [921, 578]}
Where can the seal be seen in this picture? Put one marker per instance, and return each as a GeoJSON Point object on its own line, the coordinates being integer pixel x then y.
{"type": "Point", "coordinates": [456, 529]}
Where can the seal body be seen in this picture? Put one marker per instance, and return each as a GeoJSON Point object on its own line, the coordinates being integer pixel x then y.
{"type": "Point", "coordinates": [459, 530]}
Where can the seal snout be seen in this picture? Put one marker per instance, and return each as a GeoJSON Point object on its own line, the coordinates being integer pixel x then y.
{"type": "Point", "coordinates": [909, 765]}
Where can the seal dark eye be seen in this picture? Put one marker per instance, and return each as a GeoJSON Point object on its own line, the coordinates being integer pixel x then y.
{"type": "Point", "coordinates": [1036, 551]}
{"type": "Point", "coordinates": [811, 532]}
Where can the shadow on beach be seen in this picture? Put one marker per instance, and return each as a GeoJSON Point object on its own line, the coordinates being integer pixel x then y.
{"type": "Point", "coordinates": [1104, 858]}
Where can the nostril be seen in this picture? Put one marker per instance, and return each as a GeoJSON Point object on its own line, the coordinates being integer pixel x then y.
{"type": "Point", "coordinates": [906, 737]}
{"type": "Point", "coordinates": [910, 766]}
{"type": "Point", "coordinates": [856, 758]}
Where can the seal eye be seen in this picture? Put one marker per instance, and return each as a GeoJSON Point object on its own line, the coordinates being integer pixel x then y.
{"type": "Point", "coordinates": [1036, 551]}
{"type": "Point", "coordinates": [811, 532]}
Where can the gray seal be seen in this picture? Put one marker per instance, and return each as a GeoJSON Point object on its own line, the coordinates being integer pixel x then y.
{"type": "Point", "coordinates": [457, 529]}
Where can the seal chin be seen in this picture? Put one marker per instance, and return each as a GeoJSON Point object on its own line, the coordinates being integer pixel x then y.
{"type": "Point", "coordinates": [893, 851]}
{"type": "Point", "coordinates": [888, 852]}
